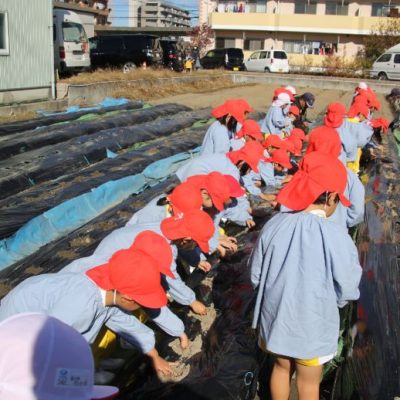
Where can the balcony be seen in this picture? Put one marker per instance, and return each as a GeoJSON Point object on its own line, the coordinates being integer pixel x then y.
{"type": "Point", "coordinates": [305, 23]}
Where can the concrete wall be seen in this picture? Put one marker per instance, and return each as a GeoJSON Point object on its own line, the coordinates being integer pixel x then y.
{"type": "Point", "coordinates": [29, 64]}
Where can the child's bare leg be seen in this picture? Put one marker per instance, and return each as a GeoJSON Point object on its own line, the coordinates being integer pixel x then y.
{"type": "Point", "coordinates": [280, 378]}
{"type": "Point", "coordinates": [307, 380]}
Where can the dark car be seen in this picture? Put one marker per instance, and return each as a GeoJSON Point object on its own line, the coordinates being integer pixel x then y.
{"type": "Point", "coordinates": [126, 51]}
{"type": "Point", "coordinates": [231, 58]}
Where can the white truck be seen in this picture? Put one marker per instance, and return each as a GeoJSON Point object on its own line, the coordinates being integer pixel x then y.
{"type": "Point", "coordinates": [71, 45]}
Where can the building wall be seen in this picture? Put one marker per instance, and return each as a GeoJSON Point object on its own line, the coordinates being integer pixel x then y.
{"type": "Point", "coordinates": [163, 14]}
{"type": "Point", "coordinates": [30, 63]}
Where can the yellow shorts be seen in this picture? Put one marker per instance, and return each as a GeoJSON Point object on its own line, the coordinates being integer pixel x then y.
{"type": "Point", "coordinates": [312, 362]}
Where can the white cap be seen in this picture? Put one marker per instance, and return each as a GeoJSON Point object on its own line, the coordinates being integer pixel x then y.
{"type": "Point", "coordinates": [291, 89]}
{"type": "Point", "coordinates": [363, 85]}
{"type": "Point", "coordinates": [44, 359]}
{"type": "Point", "coordinates": [281, 99]}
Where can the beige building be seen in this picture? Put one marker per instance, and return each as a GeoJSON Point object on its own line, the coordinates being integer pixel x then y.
{"type": "Point", "coordinates": [307, 27]}
{"type": "Point", "coordinates": [164, 14]}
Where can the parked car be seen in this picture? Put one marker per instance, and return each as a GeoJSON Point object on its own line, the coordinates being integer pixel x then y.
{"type": "Point", "coordinates": [71, 45]}
{"type": "Point", "coordinates": [125, 51]}
{"type": "Point", "coordinates": [231, 58]}
{"type": "Point", "coordinates": [172, 58]}
{"type": "Point", "coordinates": [387, 66]}
{"type": "Point", "coordinates": [268, 61]}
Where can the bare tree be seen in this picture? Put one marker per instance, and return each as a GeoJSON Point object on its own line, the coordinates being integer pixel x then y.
{"type": "Point", "coordinates": [383, 36]}
{"type": "Point", "coordinates": [201, 37]}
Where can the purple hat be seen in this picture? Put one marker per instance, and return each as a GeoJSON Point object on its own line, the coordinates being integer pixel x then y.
{"type": "Point", "coordinates": [43, 358]}
{"type": "Point", "coordinates": [309, 99]}
{"type": "Point", "coordinates": [395, 92]}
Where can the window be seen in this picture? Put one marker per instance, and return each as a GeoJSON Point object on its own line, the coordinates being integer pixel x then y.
{"type": "Point", "coordinates": [384, 58]}
{"type": "Point", "coordinates": [4, 45]}
{"type": "Point", "coordinates": [264, 55]}
{"type": "Point", "coordinates": [73, 32]}
{"type": "Point", "coordinates": [397, 59]}
{"type": "Point", "coordinates": [337, 8]}
{"type": "Point", "coordinates": [305, 7]}
{"type": "Point", "coordinates": [254, 56]}
{"type": "Point", "coordinates": [223, 43]}
{"type": "Point", "coordinates": [253, 44]}
{"type": "Point", "coordinates": [280, 55]}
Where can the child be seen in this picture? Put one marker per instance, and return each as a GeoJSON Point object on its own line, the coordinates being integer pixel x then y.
{"type": "Point", "coordinates": [250, 130]}
{"type": "Point", "coordinates": [326, 140]}
{"type": "Point", "coordinates": [188, 65]}
{"type": "Point", "coordinates": [274, 121]}
{"type": "Point", "coordinates": [291, 118]}
{"type": "Point", "coordinates": [304, 267]}
{"type": "Point", "coordinates": [218, 136]}
{"type": "Point", "coordinates": [104, 295]}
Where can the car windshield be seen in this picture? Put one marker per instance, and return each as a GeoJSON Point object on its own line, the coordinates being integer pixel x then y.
{"type": "Point", "coordinates": [73, 32]}
{"type": "Point", "coordinates": [280, 55]}
{"type": "Point", "coordinates": [235, 52]}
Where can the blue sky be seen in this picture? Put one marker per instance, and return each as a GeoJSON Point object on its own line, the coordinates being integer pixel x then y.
{"type": "Point", "coordinates": [121, 6]}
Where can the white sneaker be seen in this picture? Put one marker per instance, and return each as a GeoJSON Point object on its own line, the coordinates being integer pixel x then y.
{"type": "Point", "coordinates": [103, 377]}
{"type": "Point", "coordinates": [111, 364]}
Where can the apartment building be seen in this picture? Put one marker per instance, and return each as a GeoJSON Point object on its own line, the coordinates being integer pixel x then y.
{"type": "Point", "coordinates": [312, 27]}
{"type": "Point", "coordinates": [163, 14]}
{"type": "Point", "coordinates": [145, 13]}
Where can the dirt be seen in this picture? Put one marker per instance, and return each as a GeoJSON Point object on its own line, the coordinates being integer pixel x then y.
{"type": "Point", "coordinates": [81, 241]}
{"type": "Point", "coordinates": [67, 254]}
{"type": "Point", "coordinates": [34, 270]}
{"type": "Point", "coordinates": [259, 96]}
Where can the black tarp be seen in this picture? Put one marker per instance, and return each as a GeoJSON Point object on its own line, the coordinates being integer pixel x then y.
{"type": "Point", "coordinates": [50, 162]}
{"type": "Point", "coordinates": [16, 210]}
{"type": "Point", "coordinates": [21, 126]}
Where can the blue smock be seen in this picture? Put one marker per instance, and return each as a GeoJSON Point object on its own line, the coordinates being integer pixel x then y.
{"type": "Point", "coordinates": [348, 140]}
{"type": "Point", "coordinates": [203, 165]}
{"type": "Point", "coordinates": [216, 139]}
{"type": "Point", "coordinates": [274, 121]}
{"type": "Point", "coordinates": [77, 301]}
{"type": "Point", "coordinates": [123, 238]}
{"type": "Point", "coordinates": [355, 192]}
{"type": "Point", "coordinates": [304, 267]}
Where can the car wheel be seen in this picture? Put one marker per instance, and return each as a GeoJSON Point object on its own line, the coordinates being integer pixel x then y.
{"type": "Point", "coordinates": [267, 70]}
{"type": "Point", "coordinates": [382, 76]}
{"type": "Point", "coordinates": [128, 66]}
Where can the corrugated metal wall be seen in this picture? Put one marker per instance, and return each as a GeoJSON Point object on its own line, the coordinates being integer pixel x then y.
{"type": "Point", "coordinates": [30, 62]}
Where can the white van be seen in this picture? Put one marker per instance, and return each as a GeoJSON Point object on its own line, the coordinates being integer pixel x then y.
{"type": "Point", "coordinates": [71, 45]}
{"type": "Point", "coordinates": [387, 66]}
{"type": "Point", "coordinates": [268, 61]}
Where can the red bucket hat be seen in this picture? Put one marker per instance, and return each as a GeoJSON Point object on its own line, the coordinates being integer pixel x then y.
{"type": "Point", "coordinates": [294, 110]}
{"type": "Point", "coordinates": [252, 152]}
{"type": "Point", "coordinates": [157, 247]}
{"type": "Point", "coordinates": [242, 103]}
{"type": "Point", "coordinates": [230, 107]}
{"type": "Point", "coordinates": [358, 108]}
{"type": "Point", "coordinates": [195, 224]}
{"type": "Point", "coordinates": [280, 157]}
{"type": "Point", "coordinates": [297, 145]}
{"type": "Point", "coordinates": [334, 115]}
{"type": "Point", "coordinates": [250, 128]}
{"type": "Point", "coordinates": [280, 90]}
{"type": "Point", "coordinates": [133, 274]}
{"type": "Point", "coordinates": [235, 190]}
{"type": "Point", "coordinates": [318, 173]}
{"type": "Point", "coordinates": [299, 133]}
{"type": "Point", "coordinates": [215, 184]}
{"type": "Point", "coordinates": [274, 141]}
{"type": "Point", "coordinates": [324, 140]}
{"type": "Point", "coordinates": [185, 198]}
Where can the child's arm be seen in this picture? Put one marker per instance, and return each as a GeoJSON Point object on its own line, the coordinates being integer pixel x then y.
{"type": "Point", "coordinates": [346, 269]}
{"type": "Point", "coordinates": [256, 262]}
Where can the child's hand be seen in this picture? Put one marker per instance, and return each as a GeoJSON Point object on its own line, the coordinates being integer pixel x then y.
{"type": "Point", "coordinates": [287, 179]}
{"type": "Point", "coordinates": [198, 308]}
{"type": "Point", "coordinates": [250, 223]}
{"type": "Point", "coordinates": [184, 341]}
{"type": "Point", "coordinates": [204, 266]}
